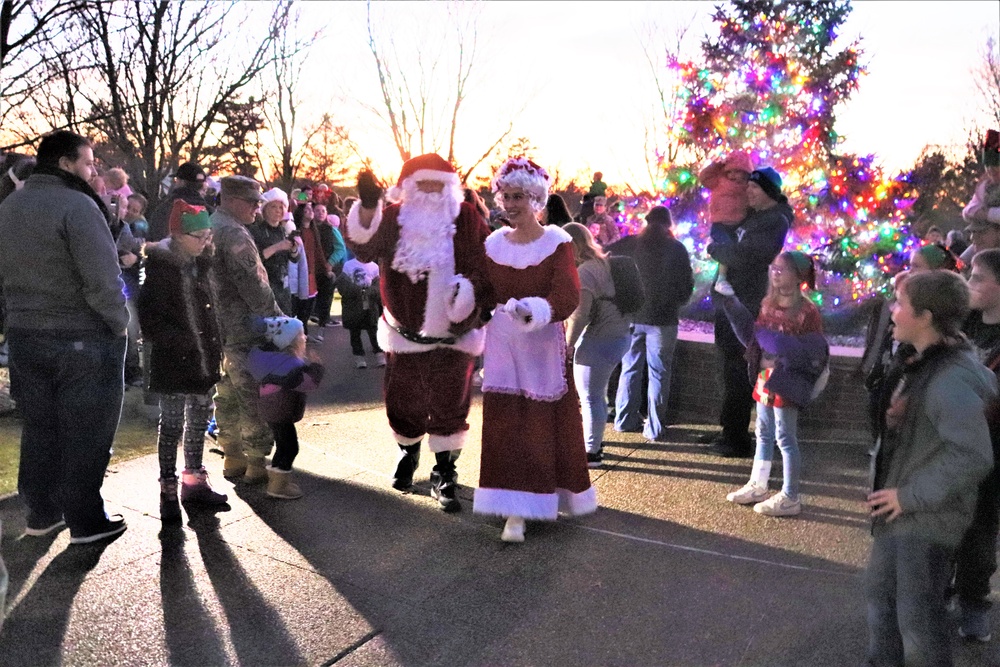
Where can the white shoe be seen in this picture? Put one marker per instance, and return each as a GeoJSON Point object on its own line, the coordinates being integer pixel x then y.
{"type": "Point", "coordinates": [359, 362]}
{"type": "Point", "coordinates": [778, 505]}
{"type": "Point", "coordinates": [379, 359]}
{"type": "Point", "coordinates": [750, 494]}
{"type": "Point", "coordinates": [513, 530]}
{"type": "Point", "coordinates": [724, 288]}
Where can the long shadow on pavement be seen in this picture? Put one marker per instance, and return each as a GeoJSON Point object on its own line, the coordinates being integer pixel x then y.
{"type": "Point", "coordinates": [616, 588]}
{"type": "Point", "coordinates": [40, 619]}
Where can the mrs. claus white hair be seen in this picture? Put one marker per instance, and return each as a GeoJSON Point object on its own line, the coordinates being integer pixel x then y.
{"type": "Point", "coordinates": [520, 172]}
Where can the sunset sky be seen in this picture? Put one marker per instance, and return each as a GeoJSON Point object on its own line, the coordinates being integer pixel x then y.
{"type": "Point", "coordinates": [573, 78]}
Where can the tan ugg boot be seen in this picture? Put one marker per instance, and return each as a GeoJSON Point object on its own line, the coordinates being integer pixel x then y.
{"type": "Point", "coordinates": [280, 484]}
{"type": "Point", "coordinates": [234, 465]}
{"type": "Point", "coordinates": [256, 470]}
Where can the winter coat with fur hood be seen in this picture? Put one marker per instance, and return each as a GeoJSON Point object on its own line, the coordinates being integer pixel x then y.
{"type": "Point", "coordinates": [178, 318]}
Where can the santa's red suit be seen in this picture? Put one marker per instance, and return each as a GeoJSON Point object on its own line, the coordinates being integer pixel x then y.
{"type": "Point", "coordinates": [432, 284]}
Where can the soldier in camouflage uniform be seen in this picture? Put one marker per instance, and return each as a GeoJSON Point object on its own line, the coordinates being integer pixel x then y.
{"type": "Point", "coordinates": [243, 295]}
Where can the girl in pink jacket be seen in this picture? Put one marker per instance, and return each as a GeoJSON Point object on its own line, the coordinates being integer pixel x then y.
{"type": "Point", "coordinates": [727, 180]}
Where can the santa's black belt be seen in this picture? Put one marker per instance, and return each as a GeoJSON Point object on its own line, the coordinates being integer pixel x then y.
{"type": "Point", "coordinates": [415, 337]}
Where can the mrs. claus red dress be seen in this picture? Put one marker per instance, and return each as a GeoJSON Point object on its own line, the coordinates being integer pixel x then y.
{"type": "Point", "coordinates": [534, 462]}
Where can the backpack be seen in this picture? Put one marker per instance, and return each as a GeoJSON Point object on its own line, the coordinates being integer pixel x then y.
{"type": "Point", "coordinates": [629, 293]}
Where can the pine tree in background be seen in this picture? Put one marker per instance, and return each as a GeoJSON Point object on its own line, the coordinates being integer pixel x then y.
{"type": "Point", "coordinates": [769, 83]}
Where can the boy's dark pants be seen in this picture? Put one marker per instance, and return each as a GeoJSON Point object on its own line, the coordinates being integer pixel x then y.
{"type": "Point", "coordinates": [976, 558]}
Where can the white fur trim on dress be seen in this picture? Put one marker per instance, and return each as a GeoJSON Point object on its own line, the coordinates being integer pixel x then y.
{"type": "Point", "coordinates": [357, 233]}
{"type": "Point", "coordinates": [507, 502]}
{"type": "Point", "coordinates": [540, 309]}
{"type": "Point", "coordinates": [447, 443]}
{"type": "Point", "coordinates": [465, 299]}
{"type": "Point", "coordinates": [406, 442]}
{"type": "Point", "coordinates": [522, 255]}
{"type": "Point", "coordinates": [575, 504]}
{"type": "Point", "coordinates": [471, 342]}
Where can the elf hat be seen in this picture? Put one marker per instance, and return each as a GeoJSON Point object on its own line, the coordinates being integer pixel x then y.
{"type": "Point", "coordinates": [804, 267]}
{"type": "Point", "coordinates": [770, 182]}
{"type": "Point", "coordinates": [281, 330]}
{"type": "Point", "coordinates": [186, 218]}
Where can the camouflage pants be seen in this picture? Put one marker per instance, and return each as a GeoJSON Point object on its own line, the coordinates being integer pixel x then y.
{"type": "Point", "coordinates": [241, 430]}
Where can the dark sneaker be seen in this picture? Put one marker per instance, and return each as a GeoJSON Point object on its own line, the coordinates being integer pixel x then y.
{"type": "Point", "coordinates": [40, 528]}
{"type": "Point", "coordinates": [114, 525]}
{"type": "Point", "coordinates": [975, 624]}
{"type": "Point", "coordinates": [595, 459]}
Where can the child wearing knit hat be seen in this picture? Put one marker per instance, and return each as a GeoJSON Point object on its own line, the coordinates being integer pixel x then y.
{"type": "Point", "coordinates": [787, 357]}
{"type": "Point", "coordinates": [727, 205]}
{"type": "Point", "coordinates": [176, 308]}
{"type": "Point", "coordinates": [285, 373]}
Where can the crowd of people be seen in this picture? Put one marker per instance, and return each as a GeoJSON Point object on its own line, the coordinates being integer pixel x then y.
{"type": "Point", "coordinates": [230, 290]}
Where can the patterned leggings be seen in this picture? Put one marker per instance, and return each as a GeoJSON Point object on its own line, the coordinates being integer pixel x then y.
{"type": "Point", "coordinates": [187, 414]}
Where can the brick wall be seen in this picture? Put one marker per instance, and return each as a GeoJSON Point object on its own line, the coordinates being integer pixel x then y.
{"type": "Point", "coordinates": [839, 414]}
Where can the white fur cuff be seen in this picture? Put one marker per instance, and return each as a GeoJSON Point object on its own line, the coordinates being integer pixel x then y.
{"type": "Point", "coordinates": [447, 443]}
{"type": "Point", "coordinates": [464, 301]}
{"type": "Point", "coordinates": [355, 232]}
{"type": "Point", "coordinates": [993, 215]}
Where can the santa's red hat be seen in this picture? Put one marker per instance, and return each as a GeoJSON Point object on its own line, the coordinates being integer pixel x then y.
{"type": "Point", "coordinates": [429, 167]}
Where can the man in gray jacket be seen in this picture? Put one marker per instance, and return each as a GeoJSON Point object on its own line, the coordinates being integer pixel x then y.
{"type": "Point", "coordinates": [243, 295]}
{"type": "Point", "coordinates": [66, 322]}
{"type": "Point", "coordinates": [933, 450]}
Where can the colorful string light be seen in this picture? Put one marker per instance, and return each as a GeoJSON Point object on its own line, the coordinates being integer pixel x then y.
{"type": "Point", "coordinates": [762, 91]}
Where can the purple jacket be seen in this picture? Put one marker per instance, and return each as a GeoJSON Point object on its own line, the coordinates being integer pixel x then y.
{"type": "Point", "coordinates": [283, 379]}
{"type": "Point", "coordinates": [799, 360]}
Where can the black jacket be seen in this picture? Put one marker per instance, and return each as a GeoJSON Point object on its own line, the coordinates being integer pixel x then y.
{"type": "Point", "coordinates": [178, 320]}
{"type": "Point", "coordinates": [760, 238]}
{"type": "Point", "coordinates": [665, 269]}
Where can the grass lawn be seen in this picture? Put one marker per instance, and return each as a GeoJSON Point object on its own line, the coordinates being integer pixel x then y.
{"type": "Point", "coordinates": [136, 437]}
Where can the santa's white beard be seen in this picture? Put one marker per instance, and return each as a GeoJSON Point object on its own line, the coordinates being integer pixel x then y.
{"type": "Point", "coordinates": [426, 230]}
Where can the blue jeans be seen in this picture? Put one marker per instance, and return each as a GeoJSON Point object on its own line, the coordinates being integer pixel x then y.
{"type": "Point", "coordinates": [781, 425]}
{"type": "Point", "coordinates": [905, 590]}
{"type": "Point", "coordinates": [70, 391]}
{"type": "Point", "coordinates": [593, 363]}
{"type": "Point", "coordinates": [651, 346]}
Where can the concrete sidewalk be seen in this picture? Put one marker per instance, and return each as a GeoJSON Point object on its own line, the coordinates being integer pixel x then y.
{"type": "Point", "coordinates": [665, 573]}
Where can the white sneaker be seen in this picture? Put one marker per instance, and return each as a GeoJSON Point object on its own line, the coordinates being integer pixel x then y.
{"type": "Point", "coordinates": [359, 362]}
{"type": "Point", "coordinates": [779, 505]}
{"type": "Point", "coordinates": [513, 530]}
{"type": "Point", "coordinates": [748, 495]}
{"type": "Point", "coordinates": [724, 288]}
{"type": "Point", "coordinates": [379, 359]}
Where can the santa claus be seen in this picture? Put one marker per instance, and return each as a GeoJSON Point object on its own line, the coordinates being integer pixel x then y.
{"type": "Point", "coordinates": [431, 256]}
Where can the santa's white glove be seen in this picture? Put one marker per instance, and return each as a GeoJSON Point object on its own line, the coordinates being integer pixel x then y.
{"type": "Point", "coordinates": [463, 299]}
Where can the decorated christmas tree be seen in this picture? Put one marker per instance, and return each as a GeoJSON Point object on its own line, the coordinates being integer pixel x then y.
{"type": "Point", "coordinates": [769, 84]}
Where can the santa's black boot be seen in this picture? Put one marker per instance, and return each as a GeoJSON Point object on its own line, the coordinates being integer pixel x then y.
{"type": "Point", "coordinates": [409, 458]}
{"type": "Point", "coordinates": [444, 480]}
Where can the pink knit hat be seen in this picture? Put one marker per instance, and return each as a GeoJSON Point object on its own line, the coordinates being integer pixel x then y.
{"type": "Point", "coordinates": [738, 160]}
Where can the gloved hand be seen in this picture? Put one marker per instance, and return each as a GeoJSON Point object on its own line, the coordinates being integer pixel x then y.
{"type": "Point", "coordinates": [369, 189]}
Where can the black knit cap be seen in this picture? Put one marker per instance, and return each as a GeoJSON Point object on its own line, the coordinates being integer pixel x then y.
{"type": "Point", "coordinates": [770, 182]}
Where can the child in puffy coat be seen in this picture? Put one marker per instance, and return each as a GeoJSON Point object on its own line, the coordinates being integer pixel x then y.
{"type": "Point", "coordinates": [285, 374]}
{"type": "Point", "coordinates": [727, 181]}
{"type": "Point", "coordinates": [361, 308]}
{"type": "Point", "coordinates": [787, 358]}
